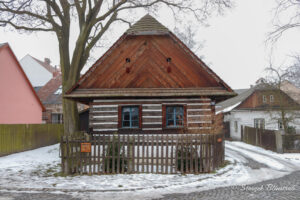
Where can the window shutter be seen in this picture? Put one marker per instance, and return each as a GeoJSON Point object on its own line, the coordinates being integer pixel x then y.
{"type": "Point", "coordinates": [185, 115]}
{"type": "Point", "coordinates": [213, 114]}
{"type": "Point", "coordinates": [119, 116]}
{"type": "Point", "coordinates": [140, 116]}
{"type": "Point", "coordinates": [163, 116]}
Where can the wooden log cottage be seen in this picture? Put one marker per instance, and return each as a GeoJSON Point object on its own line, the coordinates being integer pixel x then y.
{"type": "Point", "coordinates": [150, 81]}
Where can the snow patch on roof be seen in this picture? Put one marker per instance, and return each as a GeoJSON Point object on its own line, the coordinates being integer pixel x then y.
{"type": "Point", "coordinates": [228, 109]}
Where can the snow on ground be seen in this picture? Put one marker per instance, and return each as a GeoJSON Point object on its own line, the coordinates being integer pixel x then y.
{"type": "Point", "coordinates": [33, 171]}
{"type": "Point", "coordinates": [294, 157]}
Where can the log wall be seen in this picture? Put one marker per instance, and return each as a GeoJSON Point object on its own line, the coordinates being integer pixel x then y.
{"type": "Point", "coordinates": [105, 115]}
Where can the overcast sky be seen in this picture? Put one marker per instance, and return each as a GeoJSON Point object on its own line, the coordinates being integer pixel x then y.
{"type": "Point", "coordinates": [234, 44]}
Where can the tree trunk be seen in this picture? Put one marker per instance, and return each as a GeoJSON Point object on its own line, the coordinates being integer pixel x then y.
{"type": "Point", "coordinates": [71, 118]}
{"type": "Point", "coordinates": [70, 110]}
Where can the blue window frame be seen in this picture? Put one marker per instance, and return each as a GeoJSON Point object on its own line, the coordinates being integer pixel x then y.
{"type": "Point", "coordinates": [130, 117]}
{"type": "Point", "coordinates": [174, 116]}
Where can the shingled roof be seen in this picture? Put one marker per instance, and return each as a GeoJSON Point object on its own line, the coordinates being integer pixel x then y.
{"type": "Point", "coordinates": [47, 92]}
{"type": "Point", "coordinates": [242, 96]}
{"type": "Point", "coordinates": [235, 101]}
{"type": "Point", "coordinates": [147, 25]}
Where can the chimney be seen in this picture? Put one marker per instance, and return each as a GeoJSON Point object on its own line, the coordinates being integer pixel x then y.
{"type": "Point", "coordinates": [47, 61]}
{"type": "Point", "coordinates": [55, 74]}
{"type": "Point", "coordinates": [56, 71]}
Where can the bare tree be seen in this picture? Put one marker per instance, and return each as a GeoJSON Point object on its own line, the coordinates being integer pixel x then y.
{"type": "Point", "coordinates": [293, 72]}
{"type": "Point", "coordinates": [287, 17]}
{"type": "Point", "coordinates": [283, 108]}
{"type": "Point", "coordinates": [188, 35]}
{"type": "Point", "coordinates": [93, 19]}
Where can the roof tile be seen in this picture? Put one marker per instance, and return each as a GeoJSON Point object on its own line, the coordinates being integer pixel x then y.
{"type": "Point", "coordinates": [46, 93]}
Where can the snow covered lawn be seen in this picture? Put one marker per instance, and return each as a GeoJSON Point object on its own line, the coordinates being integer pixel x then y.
{"type": "Point", "coordinates": [34, 171]}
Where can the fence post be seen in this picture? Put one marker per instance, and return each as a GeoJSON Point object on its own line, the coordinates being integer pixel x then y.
{"type": "Point", "coordinates": [242, 133]}
{"type": "Point", "coordinates": [130, 148]}
{"type": "Point", "coordinates": [260, 140]}
{"type": "Point", "coordinates": [256, 137]}
{"type": "Point", "coordinates": [62, 154]}
{"type": "Point", "coordinates": [278, 138]}
{"type": "Point", "coordinates": [246, 134]}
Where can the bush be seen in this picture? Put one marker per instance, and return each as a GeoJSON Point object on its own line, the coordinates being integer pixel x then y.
{"type": "Point", "coordinates": [291, 130]}
{"type": "Point", "coordinates": [184, 155]}
{"type": "Point", "coordinates": [113, 150]}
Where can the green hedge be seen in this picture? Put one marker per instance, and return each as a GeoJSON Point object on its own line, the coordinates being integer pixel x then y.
{"type": "Point", "coordinates": [22, 137]}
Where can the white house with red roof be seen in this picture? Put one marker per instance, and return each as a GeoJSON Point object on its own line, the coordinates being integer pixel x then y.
{"type": "Point", "coordinates": [39, 72]}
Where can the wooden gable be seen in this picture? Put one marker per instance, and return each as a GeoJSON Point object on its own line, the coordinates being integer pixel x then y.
{"type": "Point", "coordinates": [148, 56]}
{"type": "Point", "coordinates": [148, 66]}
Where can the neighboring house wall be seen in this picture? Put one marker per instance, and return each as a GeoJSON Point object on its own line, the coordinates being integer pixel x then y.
{"type": "Point", "coordinates": [18, 102]}
{"type": "Point", "coordinates": [291, 90]}
{"type": "Point", "coordinates": [50, 95]}
{"type": "Point", "coordinates": [37, 74]}
{"type": "Point", "coordinates": [53, 114]}
{"type": "Point", "coordinates": [266, 99]}
{"type": "Point", "coordinates": [261, 103]}
{"type": "Point", "coordinates": [246, 118]}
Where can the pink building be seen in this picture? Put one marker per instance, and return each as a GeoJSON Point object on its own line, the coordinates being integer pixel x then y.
{"type": "Point", "coordinates": [19, 104]}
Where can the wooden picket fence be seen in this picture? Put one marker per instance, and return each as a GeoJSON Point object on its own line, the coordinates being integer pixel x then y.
{"type": "Point", "coordinates": [143, 153]}
{"type": "Point", "coordinates": [259, 137]}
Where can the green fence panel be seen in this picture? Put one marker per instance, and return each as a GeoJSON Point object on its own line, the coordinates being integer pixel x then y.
{"type": "Point", "coordinates": [22, 137]}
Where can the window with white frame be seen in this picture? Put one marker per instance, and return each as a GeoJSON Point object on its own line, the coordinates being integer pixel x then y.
{"type": "Point", "coordinates": [264, 99]}
{"type": "Point", "coordinates": [271, 98]}
{"type": "Point", "coordinates": [259, 123]}
{"type": "Point", "coordinates": [56, 118]}
{"type": "Point", "coordinates": [235, 126]}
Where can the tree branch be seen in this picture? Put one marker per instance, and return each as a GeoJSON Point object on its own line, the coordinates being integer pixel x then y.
{"type": "Point", "coordinates": [80, 12]}
{"type": "Point", "coordinates": [18, 27]}
{"type": "Point", "coordinates": [95, 39]}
